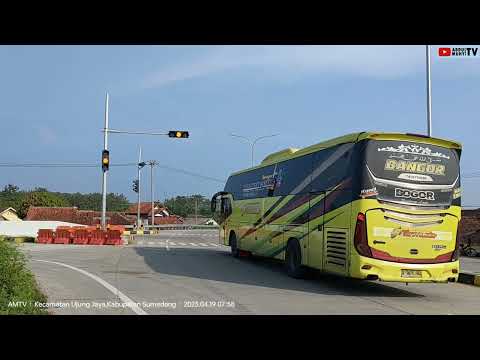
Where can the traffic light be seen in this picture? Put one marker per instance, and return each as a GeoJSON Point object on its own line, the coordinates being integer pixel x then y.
{"type": "Point", "coordinates": [178, 134]}
{"type": "Point", "coordinates": [105, 160]}
{"type": "Point", "coordinates": [135, 186]}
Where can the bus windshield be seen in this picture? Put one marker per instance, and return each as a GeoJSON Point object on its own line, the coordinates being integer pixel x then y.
{"type": "Point", "coordinates": [412, 173]}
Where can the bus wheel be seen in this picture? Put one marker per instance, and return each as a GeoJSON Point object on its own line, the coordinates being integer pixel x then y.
{"type": "Point", "coordinates": [293, 260]}
{"type": "Point", "coordinates": [233, 245]}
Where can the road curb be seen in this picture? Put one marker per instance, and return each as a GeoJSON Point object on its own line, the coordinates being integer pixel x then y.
{"type": "Point", "coordinates": [469, 278]}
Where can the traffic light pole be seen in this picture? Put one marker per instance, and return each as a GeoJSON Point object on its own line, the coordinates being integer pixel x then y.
{"type": "Point", "coordinates": [106, 130]}
{"type": "Point", "coordinates": [104, 184]}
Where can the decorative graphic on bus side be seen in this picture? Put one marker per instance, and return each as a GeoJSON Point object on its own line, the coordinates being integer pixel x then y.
{"type": "Point", "coordinates": [364, 193]}
{"type": "Point", "coordinates": [457, 193]}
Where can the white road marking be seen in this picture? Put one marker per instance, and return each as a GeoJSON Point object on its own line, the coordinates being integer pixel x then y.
{"type": "Point", "coordinates": [172, 243]}
{"type": "Point", "coordinates": [126, 300]}
{"type": "Point", "coordinates": [151, 243]}
{"type": "Point", "coordinates": [193, 244]}
{"type": "Point", "coordinates": [140, 242]}
{"type": "Point", "coordinates": [214, 244]}
{"type": "Point", "coordinates": [203, 244]}
{"type": "Point", "coordinates": [182, 244]}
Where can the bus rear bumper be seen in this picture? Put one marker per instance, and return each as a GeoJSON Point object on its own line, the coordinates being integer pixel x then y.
{"type": "Point", "coordinates": [373, 269]}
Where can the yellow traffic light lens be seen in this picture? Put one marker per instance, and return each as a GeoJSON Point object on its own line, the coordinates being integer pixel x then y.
{"type": "Point", "coordinates": [179, 134]}
{"type": "Point", "coordinates": [105, 161]}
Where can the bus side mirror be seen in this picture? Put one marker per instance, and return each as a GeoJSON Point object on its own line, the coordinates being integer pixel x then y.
{"type": "Point", "coordinates": [213, 204]}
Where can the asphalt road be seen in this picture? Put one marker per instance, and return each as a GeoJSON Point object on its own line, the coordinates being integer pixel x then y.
{"type": "Point", "coordinates": [163, 276]}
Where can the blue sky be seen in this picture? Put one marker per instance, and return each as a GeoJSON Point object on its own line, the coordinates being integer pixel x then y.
{"type": "Point", "coordinates": [53, 97]}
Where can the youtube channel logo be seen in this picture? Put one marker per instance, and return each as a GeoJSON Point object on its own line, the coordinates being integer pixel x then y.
{"type": "Point", "coordinates": [458, 51]}
{"type": "Point", "coordinates": [444, 52]}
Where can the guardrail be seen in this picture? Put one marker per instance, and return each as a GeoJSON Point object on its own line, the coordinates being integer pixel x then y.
{"type": "Point", "coordinates": [152, 230]}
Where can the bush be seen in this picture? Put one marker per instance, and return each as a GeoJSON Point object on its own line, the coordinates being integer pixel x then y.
{"type": "Point", "coordinates": [18, 239]}
{"type": "Point", "coordinates": [17, 283]}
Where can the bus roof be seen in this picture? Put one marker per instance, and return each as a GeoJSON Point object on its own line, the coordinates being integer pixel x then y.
{"type": "Point", "coordinates": [291, 153]}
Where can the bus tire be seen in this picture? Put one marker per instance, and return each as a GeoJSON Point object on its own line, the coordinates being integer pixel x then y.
{"type": "Point", "coordinates": [234, 246]}
{"type": "Point", "coordinates": [293, 260]}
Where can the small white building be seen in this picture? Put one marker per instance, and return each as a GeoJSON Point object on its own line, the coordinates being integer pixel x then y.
{"type": "Point", "coordinates": [9, 214]}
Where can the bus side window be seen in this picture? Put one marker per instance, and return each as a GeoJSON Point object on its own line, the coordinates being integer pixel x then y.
{"type": "Point", "coordinates": [334, 168]}
{"type": "Point", "coordinates": [293, 173]}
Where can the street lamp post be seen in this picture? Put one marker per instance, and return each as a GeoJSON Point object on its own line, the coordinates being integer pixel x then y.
{"type": "Point", "coordinates": [252, 143]}
{"type": "Point", "coordinates": [429, 93]}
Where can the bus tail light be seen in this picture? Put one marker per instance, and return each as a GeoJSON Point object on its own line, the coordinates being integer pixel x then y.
{"type": "Point", "coordinates": [360, 239]}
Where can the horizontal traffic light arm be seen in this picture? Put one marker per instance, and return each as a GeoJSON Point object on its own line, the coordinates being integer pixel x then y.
{"type": "Point", "coordinates": [172, 133]}
{"type": "Point", "coordinates": [133, 132]}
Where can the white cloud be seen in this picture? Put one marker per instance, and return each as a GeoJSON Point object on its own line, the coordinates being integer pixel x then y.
{"type": "Point", "coordinates": [385, 62]}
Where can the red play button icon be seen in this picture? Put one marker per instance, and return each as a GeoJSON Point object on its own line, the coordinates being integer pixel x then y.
{"type": "Point", "coordinates": [444, 52]}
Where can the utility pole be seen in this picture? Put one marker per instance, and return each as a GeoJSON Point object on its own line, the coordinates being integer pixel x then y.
{"type": "Point", "coordinates": [429, 93]}
{"type": "Point", "coordinates": [139, 167]}
{"type": "Point", "coordinates": [152, 163]}
{"type": "Point", "coordinates": [104, 183]}
{"type": "Point", "coordinates": [196, 206]}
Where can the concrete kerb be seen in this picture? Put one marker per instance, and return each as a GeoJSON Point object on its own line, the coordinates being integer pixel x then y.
{"type": "Point", "coordinates": [469, 278]}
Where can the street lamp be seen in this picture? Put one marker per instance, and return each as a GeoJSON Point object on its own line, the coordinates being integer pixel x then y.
{"type": "Point", "coordinates": [106, 130]}
{"type": "Point", "coordinates": [252, 143]}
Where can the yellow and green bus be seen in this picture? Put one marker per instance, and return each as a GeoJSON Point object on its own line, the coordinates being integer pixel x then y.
{"type": "Point", "coordinates": [375, 206]}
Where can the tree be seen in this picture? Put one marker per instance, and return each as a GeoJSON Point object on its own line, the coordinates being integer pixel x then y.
{"type": "Point", "coordinates": [185, 205]}
{"type": "Point", "coordinates": [40, 198]}
{"type": "Point", "coordinates": [10, 189]}
{"type": "Point", "coordinates": [11, 197]}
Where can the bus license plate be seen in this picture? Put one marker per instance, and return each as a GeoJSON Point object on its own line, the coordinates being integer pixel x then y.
{"type": "Point", "coordinates": [411, 274]}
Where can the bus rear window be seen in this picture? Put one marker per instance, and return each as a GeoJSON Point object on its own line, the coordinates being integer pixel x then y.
{"type": "Point", "coordinates": [411, 173]}
{"type": "Point", "coordinates": [410, 162]}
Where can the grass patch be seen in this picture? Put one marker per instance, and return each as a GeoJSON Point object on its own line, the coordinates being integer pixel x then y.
{"type": "Point", "coordinates": [18, 239]}
{"type": "Point", "coordinates": [17, 283]}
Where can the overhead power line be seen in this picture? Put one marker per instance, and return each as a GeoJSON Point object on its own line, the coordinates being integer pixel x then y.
{"type": "Point", "coordinates": [88, 165]}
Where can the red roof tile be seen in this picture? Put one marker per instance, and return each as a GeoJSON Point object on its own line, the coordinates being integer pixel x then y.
{"type": "Point", "coordinates": [145, 208]}
{"type": "Point", "coordinates": [73, 215]}
{"type": "Point", "coordinates": [66, 214]}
